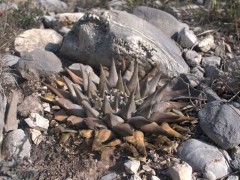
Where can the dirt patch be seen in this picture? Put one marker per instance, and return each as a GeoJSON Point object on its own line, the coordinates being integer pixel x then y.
{"type": "Point", "coordinates": [52, 162]}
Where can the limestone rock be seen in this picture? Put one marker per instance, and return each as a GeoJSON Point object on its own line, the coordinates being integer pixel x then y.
{"type": "Point", "coordinates": [32, 39]}
{"type": "Point", "coordinates": [38, 63]}
{"type": "Point", "coordinates": [109, 176]}
{"type": "Point", "coordinates": [206, 43]}
{"type": "Point", "coordinates": [132, 166]}
{"type": "Point", "coordinates": [102, 35]}
{"type": "Point", "coordinates": [36, 136]}
{"type": "Point", "coordinates": [37, 122]}
{"type": "Point", "coordinates": [221, 122]}
{"type": "Point", "coordinates": [180, 171]}
{"type": "Point", "coordinates": [16, 143]}
{"type": "Point", "coordinates": [155, 178]}
{"type": "Point", "coordinates": [204, 158]}
{"type": "Point", "coordinates": [30, 104]}
{"type": "Point", "coordinates": [233, 177]}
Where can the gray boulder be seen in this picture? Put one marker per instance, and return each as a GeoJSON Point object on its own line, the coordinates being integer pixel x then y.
{"type": "Point", "coordinates": [16, 144]}
{"type": "Point", "coordinates": [102, 35]}
{"type": "Point", "coordinates": [221, 122]}
{"type": "Point", "coordinates": [38, 63]}
{"type": "Point", "coordinates": [204, 158]}
{"type": "Point", "coordinates": [168, 24]}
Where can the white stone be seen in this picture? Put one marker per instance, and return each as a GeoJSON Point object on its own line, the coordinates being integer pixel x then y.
{"type": "Point", "coordinates": [132, 166]}
{"type": "Point", "coordinates": [180, 171]}
{"type": "Point", "coordinates": [32, 39]}
{"type": "Point", "coordinates": [36, 136]}
{"type": "Point", "coordinates": [233, 177]}
{"type": "Point", "coordinates": [110, 176]}
{"type": "Point", "coordinates": [46, 107]}
{"type": "Point", "coordinates": [206, 44]}
{"type": "Point", "coordinates": [155, 178]}
{"type": "Point", "coordinates": [38, 122]}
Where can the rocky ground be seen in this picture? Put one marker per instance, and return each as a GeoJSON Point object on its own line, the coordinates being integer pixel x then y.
{"type": "Point", "coordinates": [111, 90]}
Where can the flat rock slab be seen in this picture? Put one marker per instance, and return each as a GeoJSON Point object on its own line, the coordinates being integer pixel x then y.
{"type": "Point", "coordinates": [102, 35]}
{"type": "Point", "coordinates": [204, 158]}
{"type": "Point", "coordinates": [16, 143]}
{"type": "Point", "coordinates": [221, 122]}
{"type": "Point", "coordinates": [32, 39]}
{"type": "Point", "coordinates": [38, 63]}
{"type": "Point", "coordinates": [3, 104]}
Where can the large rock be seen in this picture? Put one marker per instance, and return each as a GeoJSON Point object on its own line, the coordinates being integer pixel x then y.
{"type": "Point", "coordinates": [38, 63]}
{"type": "Point", "coordinates": [102, 35]}
{"type": "Point", "coordinates": [204, 158]}
{"type": "Point", "coordinates": [221, 122]}
{"type": "Point", "coordinates": [32, 39]}
{"type": "Point", "coordinates": [168, 24]}
{"type": "Point", "coordinates": [16, 144]}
